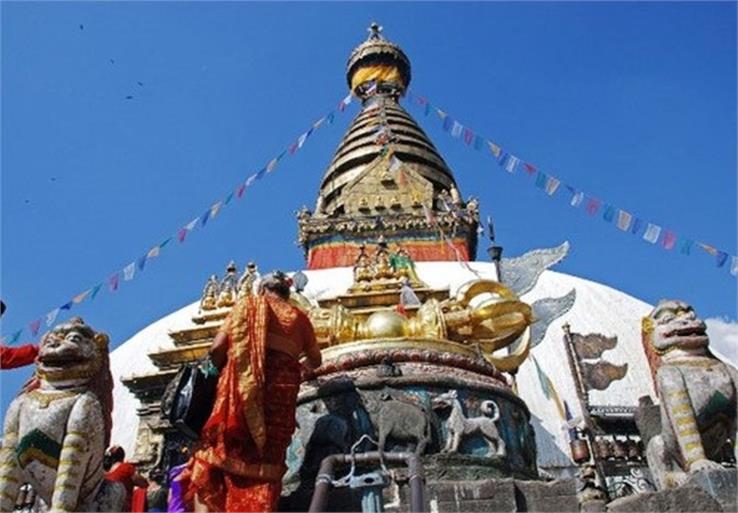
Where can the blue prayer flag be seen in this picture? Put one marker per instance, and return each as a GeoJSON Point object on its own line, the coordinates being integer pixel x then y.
{"type": "Point", "coordinates": [609, 213]}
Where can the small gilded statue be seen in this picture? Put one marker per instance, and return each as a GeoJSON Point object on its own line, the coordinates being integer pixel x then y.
{"type": "Point", "coordinates": [248, 280]}
{"type": "Point", "coordinates": [228, 286]}
{"type": "Point", "coordinates": [210, 294]}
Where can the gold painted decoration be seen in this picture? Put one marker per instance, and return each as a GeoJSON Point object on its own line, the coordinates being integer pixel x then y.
{"type": "Point", "coordinates": [377, 73]}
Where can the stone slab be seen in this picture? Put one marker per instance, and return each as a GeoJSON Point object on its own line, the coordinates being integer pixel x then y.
{"type": "Point", "coordinates": [684, 499]}
{"type": "Point", "coordinates": [722, 485]}
{"type": "Point", "coordinates": [542, 496]}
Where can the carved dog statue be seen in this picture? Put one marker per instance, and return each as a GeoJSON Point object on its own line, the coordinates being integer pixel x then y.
{"type": "Point", "coordinates": [55, 435]}
{"type": "Point", "coordinates": [697, 391]}
{"type": "Point", "coordinates": [459, 426]}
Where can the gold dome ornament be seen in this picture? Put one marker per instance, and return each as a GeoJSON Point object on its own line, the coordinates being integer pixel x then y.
{"type": "Point", "coordinates": [377, 65]}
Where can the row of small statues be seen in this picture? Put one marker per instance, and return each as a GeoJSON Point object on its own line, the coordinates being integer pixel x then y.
{"type": "Point", "coordinates": [225, 293]}
{"type": "Point", "coordinates": [384, 265]}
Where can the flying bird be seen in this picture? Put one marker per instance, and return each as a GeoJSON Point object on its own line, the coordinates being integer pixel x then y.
{"type": "Point", "coordinates": [81, 27]}
{"type": "Point", "coordinates": [129, 97]}
{"type": "Point", "coordinates": [140, 83]}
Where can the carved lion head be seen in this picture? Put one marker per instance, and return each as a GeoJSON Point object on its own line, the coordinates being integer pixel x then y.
{"type": "Point", "coordinates": [71, 351]}
{"type": "Point", "coordinates": [673, 325]}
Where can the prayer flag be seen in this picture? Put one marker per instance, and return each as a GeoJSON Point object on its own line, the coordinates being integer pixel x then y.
{"type": "Point", "coordinates": [686, 246]}
{"type": "Point", "coordinates": [478, 142]}
{"type": "Point", "coordinates": [637, 224]}
{"type": "Point", "coordinates": [652, 233]}
{"type": "Point", "coordinates": [468, 136]}
{"type": "Point", "coordinates": [669, 240]}
{"type": "Point", "coordinates": [734, 266]}
{"type": "Point", "coordinates": [552, 184]}
{"type": "Point", "coordinates": [301, 140]}
{"type": "Point", "coordinates": [624, 219]}
{"type": "Point", "coordinates": [167, 241]}
{"type": "Point", "coordinates": [330, 118]}
{"type": "Point", "coordinates": [14, 338]}
{"type": "Point", "coordinates": [95, 290]}
{"type": "Point", "coordinates": [241, 189]}
{"type": "Point", "coordinates": [129, 271]}
{"type": "Point", "coordinates": [512, 164]}
{"type": "Point", "coordinates": [372, 89]}
{"type": "Point", "coordinates": [502, 159]}
{"type": "Point", "coordinates": [81, 297]}
{"type": "Point", "coordinates": [113, 282]}
{"type": "Point", "coordinates": [215, 209]}
{"type": "Point", "coordinates": [141, 262]}
{"type": "Point", "coordinates": [395, 164]}
{"type": "Point", "coordinates": [447, 123]}
{"type": "Point", "coordinates": [427, 109]}
{"type": "Point", "coordinates": [609, 213]}
{"type": "Point", "coordinates": [710, 249]}
{"type": "Point", "coordinates": [250, 180]}
{"type": "Point", "coordinates": [593, 205]}
{"type": "Point", "coordinates": [181, 234]}
{"type": "Point", "coordinates": [721, 258]}
{"type": "Point", "coordinates": [530, 168]}
{"type": "Point", "coordinates": [34, 327]}
{"type": "Point", "coordinates": [228, 199]}
{"type": "Point", "coordinates": [317, 124]}
{"type": "Point", "coordinates": [496, 150]}
{"type": "Point", "coordinates": [293, 148]}
{"type": "Point", "coordinates": [543, 380]}
{"type": "Point", "coordinates": [577, 199]}
{"type": "Point", "coordinates": [442, 115]}
{"type": "Point", "coordinates": [541, 180]}
{"type": "Point", "coordinates": [271, 166]}
{"type": "Point", "coordinates": [51, 316]}
{"type": "Point", "coordinates": [205, 217]}
{"type": "Point", "coordinates": [261, 173]}
{"type": "Point", "coordinates": [191, 225]}
{"type": "Point", "coordinates": [428, 215]}
{"type": "Point", "coordinates": [422, 100]}
{"type": "Point", "coordinates": [66, 306]}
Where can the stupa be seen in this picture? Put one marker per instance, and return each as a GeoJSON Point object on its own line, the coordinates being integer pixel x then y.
{"type": "Point", "coordinates": [428, 396]}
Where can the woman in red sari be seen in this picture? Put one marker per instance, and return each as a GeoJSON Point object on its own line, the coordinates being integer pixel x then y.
{"type": "Point", "coordinates": [241, 457]}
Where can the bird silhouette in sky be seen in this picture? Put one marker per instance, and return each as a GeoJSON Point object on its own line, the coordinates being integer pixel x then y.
{"type": "Point", "coordinates": [140, 83]}
{"type": "Point", "coordinates": [112, 61]}
{"type": "Point", "coordinates": [81, 27]}
{"type": "Point", "coordinates": [129, 97]}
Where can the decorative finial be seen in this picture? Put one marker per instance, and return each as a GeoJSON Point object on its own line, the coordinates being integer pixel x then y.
{"type": "Point", "coordinates": [375, 31]}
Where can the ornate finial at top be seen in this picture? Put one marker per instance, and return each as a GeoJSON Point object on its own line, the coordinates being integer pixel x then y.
{"type": "Point", "coordinates": [375, 31]}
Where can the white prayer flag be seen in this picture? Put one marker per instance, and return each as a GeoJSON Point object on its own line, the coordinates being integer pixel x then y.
{"type": "Point", "coordinates": [51, 316]}
{"type": "Point", "coordinates": [272, 165]}
{"type": "Point", "coordinates": [624, 219]}
{"type": "Point", "coordinates": [552, 184]}
{"type": "Point", "coordinates": [457, 129]}
{"type": "Point", "coordinates": [577, 199]}
{"type": "Point", "coordinates": [511, 164]}
{"type": "Point", "coordinates": [652, 233]}
{"type": "Point", "coordinates": [153, 252]}
{"type": "Point", "coordinates": [301, 140]}
{"type": "Point", "coordinates": [129, 271]}
{"type": "Point", "coordinates": [215, 209]}
{"type": "Point", "coordinates": [734, 266]}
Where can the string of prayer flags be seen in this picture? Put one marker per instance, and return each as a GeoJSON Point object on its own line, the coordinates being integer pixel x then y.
{"type": "Point", "coordinates": [128, 273]}
{"type": "Point", "coordinates": [623, 220]}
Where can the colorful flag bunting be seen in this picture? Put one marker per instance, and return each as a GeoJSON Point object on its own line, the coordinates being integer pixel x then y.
{"type": "Point", "coordinates": [530, 168]}
{"type": "Point", "coordinates": [129, 271]}
{"type": "Point", "coordinates": [330, 117]}
{"type": "Point", "coordinates": [95, 290]}
{"type": "Point", "coordinates": [34, 327]}
{"type": "Point", "coordinates": [685, 248]}
{"type": "Point", "coordinates": [710, 249]}
{"type": "Point", "coordinates": [447, 122]}
{"type": "Point", "coordinates": [318, 123]}
{"type": "Point", "coordinates": [468, 136]}
{"type": "Point", "coordinates": [669, 240]}
{"type": "Point", "coordinates": [512, 164]}
{"type": "Point", "coordinates": [261, 173]}
{"type": "Point", "coordinates": [181, 234]}
{"type": "Point", "coordinates": [301, 140]}
{"type": "Point", "coordinates": [478, 142]}
{"type": "Point", "coordinates": [577, 199]}
{"type": "Point", "coordinates": [228, 199]}
{"type": "Point", "coordinates": [593, 205]}
{"type": "Point", "coordinates": [552, 184]}
{"type": "Point", "coordinates": [609, 214]}
{"type": "Point", "coordinates": [242, 189]}
{"type": "Point", "coordinates": [637, 225]}
{"type": "Point", "coordinates": [205, 216]}
{"type": "Point", "coordinates": [165, 242]}
{"type": "Point", "coordinates": [272, 165]}
{"type": "Point", "coordinates": [51, 316]}
{"type": "Point", "coordinates": [652, 233]}
{"type": "Point", "coordinates": [496, 150]}
{"type": "Point", "coordinates": [81, 297]}
{"type": "Point", "coordinates": [721, 258]}
{"type": "Point", "coordinates": [734, 266]}
{"type": "Point", "coordinates": [66, 306]}
{"type": "Point", "coordinates": [15, 337]}
{"type": "Point", "coordinates": [624, 219]}
{"type": "Point", "coordinates": [141, 262]}
{"type": "Point", "coordinates": [541, 180]}
{"type": "Point", "coordinates": [113, 282]}
{"type": "Point", "coordinates": [215, 209]}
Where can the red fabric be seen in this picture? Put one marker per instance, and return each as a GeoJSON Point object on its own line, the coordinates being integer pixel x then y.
{"type": "Point", "coordinates": [138, 501]}
{"type": "Point", "coordinates": [344, 255]}
{"type": "Point", "coordinates": [13, 357]}
{"type": "Point", "coordinates": [123, 473]}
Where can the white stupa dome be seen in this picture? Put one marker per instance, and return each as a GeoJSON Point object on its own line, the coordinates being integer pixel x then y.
{"type": "Point", "coordinates": [597, 309]}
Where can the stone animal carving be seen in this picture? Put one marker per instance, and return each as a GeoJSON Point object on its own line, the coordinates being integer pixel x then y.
{"type": "Point", "coordinates": [697, 392]}
{"type": "Point", "coordinates": [403, 421]}
{"type": "Point", "coordinates": [56, 433]}
{"type": "Point", "coordinates": [459, 426]}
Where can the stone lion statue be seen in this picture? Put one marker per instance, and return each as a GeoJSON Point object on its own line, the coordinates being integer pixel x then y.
{"type": "Point", "coordinates": [697, 393]}
{"type": "Point", "coordinates": [57, 429]}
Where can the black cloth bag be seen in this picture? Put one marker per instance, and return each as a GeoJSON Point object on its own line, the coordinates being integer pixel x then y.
{"type": "Point", "coordinates": [188, 399]}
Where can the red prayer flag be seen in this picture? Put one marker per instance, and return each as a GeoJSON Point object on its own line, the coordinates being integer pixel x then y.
{"type": "Point", "coordinates": [182, 234]}
{"type": "Point", "coordinates": [113, 282]}
{"type": "Point", "coordinates": [34, 327]}
{"type": "Point", "coordinates": [669, 239]}
{"type": "Point", "coordinates": [529, 168]}
{"type": "Point", "coordinates": [293, 148]}
{"type": "Point", "coordinates": [242, 188]}
{"type": "Point", "coordinates": [468, 136]}
{"type": "Point", "coordinates": [593, 206]}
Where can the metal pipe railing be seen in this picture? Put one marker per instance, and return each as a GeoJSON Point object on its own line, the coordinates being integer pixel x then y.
{"type": "Point", "coordinates": [324, 480]}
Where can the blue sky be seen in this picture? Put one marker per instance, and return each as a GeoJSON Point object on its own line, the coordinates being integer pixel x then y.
{"type": "Point", "coordinates": [632, 102]}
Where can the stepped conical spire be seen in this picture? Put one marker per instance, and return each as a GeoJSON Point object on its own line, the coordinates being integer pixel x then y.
{"type": "Point", "coordinates": [386, 177]}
